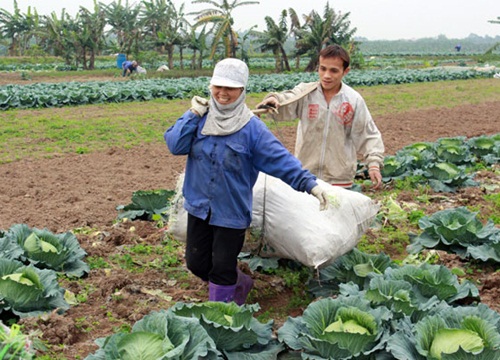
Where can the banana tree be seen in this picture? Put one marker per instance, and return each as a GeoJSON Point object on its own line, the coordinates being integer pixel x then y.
{"type": "Point", "coordinates": [220, 15]}
{"type": "Point", "coordinates": [91, 37]}
{"type": "Point", "coordinates": [274, 38]}
{"type": "Point", "coordinates": [197, 42]}
{"type": "Point", "coordinates": [124, 24]}
{"type": "Point", "coordinates": [18, 28]}
{"type": "Point", "coordinates": [173, 32]}
{"type": "Point", "coordinates": [59, 35]}
{"type": "Point", "coordinates": [319, 31]}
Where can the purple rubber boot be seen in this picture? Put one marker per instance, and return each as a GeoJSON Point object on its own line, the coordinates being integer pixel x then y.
{"type": "Point", "coordinates": [243, 287]}
{"type": "Point", "coordinates": [222, 293]}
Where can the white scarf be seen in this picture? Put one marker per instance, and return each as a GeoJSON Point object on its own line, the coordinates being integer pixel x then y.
{"type": "Point", "coordinates": [226, 119]}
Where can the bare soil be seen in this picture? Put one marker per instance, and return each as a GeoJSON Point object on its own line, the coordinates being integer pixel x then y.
{"type": "Point", "coordinates": [82, 191]}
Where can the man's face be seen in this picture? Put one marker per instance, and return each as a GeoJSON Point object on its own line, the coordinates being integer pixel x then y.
{"type": "Point", "coordinates": [331, 71]}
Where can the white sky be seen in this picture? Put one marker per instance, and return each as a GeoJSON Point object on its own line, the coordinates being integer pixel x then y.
{"type": "Point", "coordinates": [374, 19]}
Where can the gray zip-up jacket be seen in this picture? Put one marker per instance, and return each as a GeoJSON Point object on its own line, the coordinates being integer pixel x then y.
{"type": "Point", "coordinates": [330, 136]}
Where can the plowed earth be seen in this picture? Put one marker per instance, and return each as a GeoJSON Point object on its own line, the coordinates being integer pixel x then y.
{"type": "Point", "coordinates": [82, 191]}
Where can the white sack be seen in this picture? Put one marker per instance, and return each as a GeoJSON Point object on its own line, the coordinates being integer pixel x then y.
{"type": "Point", "coordinates": [288, 224]}
{"type": "Point", "coordinates": [162, 68]}
{"type": "Point", "coordinates": [293, 227]}
{"type": "Point", "coordinates": [177, 215]}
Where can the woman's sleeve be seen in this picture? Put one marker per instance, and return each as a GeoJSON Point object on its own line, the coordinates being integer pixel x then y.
{"type": "Point", "coordinates": [179, 136]}
{"type": "Point", "coordinates": [273, 158]}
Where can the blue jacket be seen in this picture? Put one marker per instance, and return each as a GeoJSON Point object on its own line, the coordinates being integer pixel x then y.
{"type": "Point", "coordinates": [127, 65]}
{"type": "Point", "coordinates": [222, 170]}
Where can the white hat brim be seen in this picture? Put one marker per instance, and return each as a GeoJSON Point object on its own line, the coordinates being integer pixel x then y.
{"type": "Point", "coordinates": [220, 81]}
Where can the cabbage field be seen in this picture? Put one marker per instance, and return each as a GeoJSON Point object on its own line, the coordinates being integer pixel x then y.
{"type": "Point", "coordinates": [89, 270]}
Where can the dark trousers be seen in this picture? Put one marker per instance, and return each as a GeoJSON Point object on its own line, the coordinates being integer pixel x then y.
{"type": "Point", "coordinates": [212, 251]}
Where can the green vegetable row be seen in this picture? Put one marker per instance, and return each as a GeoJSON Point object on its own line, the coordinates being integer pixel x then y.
{"type": "Point", "coordinates": [44, 95]}
{"type": "Point", "coordinates": [443, 164]}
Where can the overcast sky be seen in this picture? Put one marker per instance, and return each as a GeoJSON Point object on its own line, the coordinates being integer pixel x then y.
{"type": "Point", "coordinates": [374, 19]}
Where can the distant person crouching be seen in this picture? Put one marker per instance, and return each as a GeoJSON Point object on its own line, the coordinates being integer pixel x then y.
{"type": "Point", "coordinates": [129, 67]}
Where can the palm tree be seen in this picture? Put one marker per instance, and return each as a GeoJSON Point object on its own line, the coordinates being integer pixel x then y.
{"type": "Point", "coordinates": [220, 15]}
{"type": "Point", "coordinates": [274, 38]}
{"type": "Point", "coordinates": [319, 32]}
{"type": "Point", "coordinates": [497, 45]}
{"type": "Point", "coordinates": [497, 21]}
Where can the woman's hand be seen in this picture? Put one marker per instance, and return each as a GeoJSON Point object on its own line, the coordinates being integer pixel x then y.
{"type": "Point", "coordinates": [199, 105]}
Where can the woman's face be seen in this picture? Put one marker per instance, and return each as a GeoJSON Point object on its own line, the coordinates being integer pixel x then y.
{"type": "Point", "coordinates": [226, 95]}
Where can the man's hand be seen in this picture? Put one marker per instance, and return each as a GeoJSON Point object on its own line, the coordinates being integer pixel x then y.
{"type": "Point", "coordinates": [271, 104]}
{"type": "Point", "coordinates": [199, 105]}
{"type": "Point", "coordinates": [375, 176]}
{"type": "Point", "coordinates": [320, 194]}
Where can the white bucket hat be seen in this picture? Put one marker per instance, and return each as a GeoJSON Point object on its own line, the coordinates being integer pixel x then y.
{"type": "Point", "coordinates": [230, 73]}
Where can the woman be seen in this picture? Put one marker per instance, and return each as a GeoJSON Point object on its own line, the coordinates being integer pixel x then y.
{"type": "Point", "coordinates": [227, 146]}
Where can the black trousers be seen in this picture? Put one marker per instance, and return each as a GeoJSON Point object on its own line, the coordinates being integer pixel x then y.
{"type": "Point", "coordinates": [212, 251]}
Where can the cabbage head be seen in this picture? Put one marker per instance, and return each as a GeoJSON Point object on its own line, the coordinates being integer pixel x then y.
{"type": "Point", "coordinates": [453, 333]}
{"type": "Point", "coordinates": [161, 335]}
{"type": "Point", "coordinates": [237, 334]}
{"type": "Point", "coordinates": [336, 329]}
{"type": "Point", "coordinates": [28, 291]}
{"type": "Point", "coordinates": [45, 250]}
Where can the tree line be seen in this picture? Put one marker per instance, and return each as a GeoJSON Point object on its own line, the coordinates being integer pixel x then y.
{"type": "Point", "coordinates": [159, 26]}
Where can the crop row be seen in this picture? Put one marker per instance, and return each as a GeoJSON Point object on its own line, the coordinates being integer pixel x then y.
{"type": "Point", "coordinates": [44, 95]}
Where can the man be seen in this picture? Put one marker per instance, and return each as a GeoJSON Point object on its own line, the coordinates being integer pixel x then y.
{"type": "Point", "coordinates": [335, 124]}
{"type": "Point", "coordinates": [129, 67]}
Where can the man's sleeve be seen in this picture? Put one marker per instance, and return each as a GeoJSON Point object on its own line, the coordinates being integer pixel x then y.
{"type": "Point", "coordinates": [367, 137]}
{"type": "Point", "coordinates": [292, 109]}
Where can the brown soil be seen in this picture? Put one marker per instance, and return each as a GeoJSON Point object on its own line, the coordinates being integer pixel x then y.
{"type": "Point", "coordinates": [82, 191]}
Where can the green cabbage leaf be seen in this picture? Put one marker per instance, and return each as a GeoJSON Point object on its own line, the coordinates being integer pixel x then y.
{"type": "Point", "coordinates": [28, 291]}
{"type": "Point", "coordinates": [45, 250]}
{"type": "Point", "coordinates": [340, 328]}
{"type": "Point", "coordinates": [159, 335]}
{"type": "Point", "coordinates": [234, 329]}
{"type": "Point", "coordinates": [467, 332]}
{"type": "Point", "coordinates": [145, 204]}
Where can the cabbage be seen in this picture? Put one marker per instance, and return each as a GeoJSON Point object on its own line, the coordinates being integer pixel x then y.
{"type": "Point", "coordinates": [46, 250]}
{"type": "Point", "coordinates": [354, 266]}
{"type": "Point", "coordinates": [447, 177]}
{"type": "Point", "coordinates": [28, 291]}
{"type": "Point", "coordinates": [145, 204]}
{"type": "Point", "coordinates": [458, 230]}
{"type": "Point", "coordinates": [341, 328]}
{"type": "Point", "coordinates": [234, 329]}
{"type": "Point", "coordinates": [457, 333]}
{"type": "Point", "coordinates": [158, 335]}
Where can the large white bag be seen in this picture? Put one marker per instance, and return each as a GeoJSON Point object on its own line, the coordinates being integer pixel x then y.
{"type": "Point", "coordinates": [288, 224]}
{"type": "Point", "coordinates": [292, 227]}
